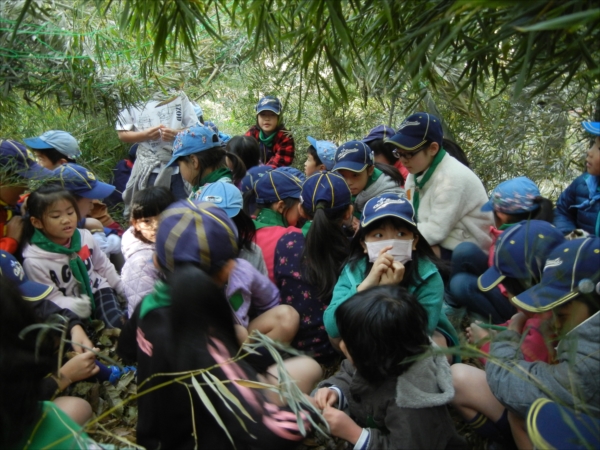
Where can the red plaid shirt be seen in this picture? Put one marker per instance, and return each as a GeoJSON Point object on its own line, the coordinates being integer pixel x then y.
{"type": "Point", "coordinates": [282, 152]}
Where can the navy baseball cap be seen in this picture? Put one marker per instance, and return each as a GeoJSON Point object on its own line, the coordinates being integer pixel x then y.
{"type": "Point", "coordinates": [15, 157]}
{"type": "Point", "coordinates": [591, 127]}
{"type": "Point", "coordinates": [252, 176]}
{"type": "Point", "coordinates": [197, 233]}
{"type": "Point", "coordinates": [225, 195]}
{"type": "Point", "coordinates": [294, 172]}
{"type": "Point", "coordinates": [380, 132]}
{"type": "Point", "coordinates": [277, 185]}
{"type": "Point", "coordinates": [388, 205]}
{"type": "Point", "coordinates": [325, 150]}
{"type": "Point", "coordinates": [354, 156]}
{"type": "Point", "coordinates": [514, 196]}
{"type": "Point", "coordinates": [194, 139]}
{"type": "Point", "coordinates": [571, 269]}
{"type": "Point", "coordinates": [520, 253]}
{"type": "Point", "coordinates": [327, 187]}
{"type": "Point", "coordinates": [61, 141]}
{"type": "Point", "coordinates": [268, 103]}
{"type": "Point", "coordinates": [13, 271]}
{"type": "Point", "coordinates": [82, 182]}
{"type": "Point", "coordinates": [416, 131]}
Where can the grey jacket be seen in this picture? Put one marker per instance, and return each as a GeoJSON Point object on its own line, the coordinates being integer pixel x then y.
{"type": "Point", "coordinates": [573, 381]}
{"type": "Point", "coordinates": [382, 185]}
{"type": "Point", "coordinates": [407, 412]}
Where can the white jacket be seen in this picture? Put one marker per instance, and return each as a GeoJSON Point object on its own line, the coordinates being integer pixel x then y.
{"type": "Point", "coordinates": [53, 269]}
{"type": "Point", "coordinates": [450, 206]}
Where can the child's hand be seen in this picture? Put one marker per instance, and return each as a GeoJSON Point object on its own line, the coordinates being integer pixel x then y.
{"type": "Point", "coordinates": [80, 367]}
{"type": "Point", "coordinates": [14, 228]}
{"type": "Point", "coordinates": [517, 322]}
{"type": "Point", "coordinates": [394, 274]}
{"type": "Point", "coordinates": [326, 397]}
{"type": "Point", "coordinates": [154, 133]}
{"type": "Point", "coordinates": [381, 265]}
{"type": "Point", "coordinates": [168, 134]}
{"type": "Point", "coordinates": [341, 425]}
{"type": "Point", "coordinates": [78, 336]}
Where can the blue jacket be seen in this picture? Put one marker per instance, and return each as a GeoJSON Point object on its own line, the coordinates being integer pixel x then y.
{"type": "Point", "coordinates": [578, 206]}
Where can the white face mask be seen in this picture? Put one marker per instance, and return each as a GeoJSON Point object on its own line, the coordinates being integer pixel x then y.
{"type": "Point", "coordinates": [401, 249]}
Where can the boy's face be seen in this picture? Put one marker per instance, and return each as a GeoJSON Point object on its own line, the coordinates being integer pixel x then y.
{"type": "Point", "coordinates": [356, 181]}
{"type": "Point", "coordinates": [592, 162]}
{"type": "Point", "coordinates": [310, 166]}
{"type": "Point", "coordinates": [85, 206]}
{"type": "Point", "coordinates": [569, 315]}
{"type": "Point", "coordinates": [267, 121]}
{"type": "Point", "coordinates": [44, 161]}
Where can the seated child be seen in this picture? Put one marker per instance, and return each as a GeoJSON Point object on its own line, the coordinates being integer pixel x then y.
{"type": "Point", "coordinates": [319, 156]}
{"type": "Point", "coordinates": [17, 165]}
{"type": "Point", "coordinates": [511, 202]}
{"type": "Point", "coordinates": [59, 254]}
{"type": "Point", "coordinates": [186, 324]}
{"type": "Point", "coordinates": [366, 180]}
{"type": "Point", "coordinates": [120, 177]}
{"type": "Point", "coordinates": [247, 149]}
{"type": "Point", "coordinates": [308, 262]}
{"type": "Point", "coordinates": [578, 207]}
{"type": "Point", "coordinates": [384, 151]}
{"type": "Point", "coordinates": [389, 249]}
{"type": "Point", "coordinates": [446, 195]}
{"type": "Point", "coordinates": [139, 273]}
{"type": "Point", "coordinates": [276, 143]}
{"type": "Point", "coordinates": [393, 387]}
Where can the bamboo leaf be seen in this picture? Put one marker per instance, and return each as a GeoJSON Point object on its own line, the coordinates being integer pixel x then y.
{"type": "Point", "coordinates": [211, 409]}
{"type": "Point", "coordinates": [559, 23]}
{"type": "Point", "coordinates": [229, 396]}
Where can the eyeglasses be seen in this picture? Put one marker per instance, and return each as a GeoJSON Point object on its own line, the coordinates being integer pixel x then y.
{"type": "Point", "coordinates": [407, 155]}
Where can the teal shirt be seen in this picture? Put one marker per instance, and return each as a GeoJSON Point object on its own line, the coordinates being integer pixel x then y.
{"type": "Point", "coordinates": [430, 295]}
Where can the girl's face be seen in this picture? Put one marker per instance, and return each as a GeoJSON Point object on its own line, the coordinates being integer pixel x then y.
{"type": "Point", "coordinates": [292, 215]}
{"type": "Point", "coordinates": [310, 166]}
{"type": "Point", "coordinates": [420, 161]}
{"type": "Point", "coordinates": [267, 121]}
{"type": "Point", "coordinates": [385, 230]}
{"type": "Point", "coordinates": [44, 161]}
{"type": "Point", "coordinates": [568, 316]}
{"type": "Point", "coordinates": [189, 169]}
{"type": "Point", "coordinates": [147, 226]}
{"type": "Point", "coordinates": [357, 181]}
{"type": "Point", "coordinates": [85, 206]}
{"type": "Point", "coordinates": [59, 222]}
{"type": "Point", "coordinates": [592, 162]}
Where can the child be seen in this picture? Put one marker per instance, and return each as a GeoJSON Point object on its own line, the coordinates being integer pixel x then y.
{"type": "Point", "coordinates": [120, 177]}
{"type": "Point", "coordinates": [186, 324]}
{"type": "Point", "coordinates": [139, 273]}
{"type": "Point", "coordinates": [578, 207]}
{"type": "Point", "coordinates": [277, 200]}
{"type": "Point", "coordinates": [389, 249]}
{"type": "Point", "coordinates": [58, 253]}
{"type": "Point", "coordinates": [393, 387]}
{"type": "Point", "coordinates": [511, 202]}
{"type": "Point", "coordinates": [247, 188]}
{"type": "Point", "coordinates": [246, 148]}
{"type": "Point", "coordinates": [276, 143]}
{"type": "Point", "coordinates": [308, 263]}
{"type": "Point", "coordinates": [383, 152]}
{"type": "Point", "coordinates": [201, 160]}
{"type": "Point", "coordinates": [17, 165]}
{"type": "Point", "coordinates": [54, 148]}
{"type": "Point", "coordinates": [319, 156]}
{"type": "Point", "coordinates": [447, 196]}
{"type": "Point", "coordinates": [354, 161]}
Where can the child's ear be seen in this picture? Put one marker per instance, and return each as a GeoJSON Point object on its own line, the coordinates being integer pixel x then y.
{"type": "Point", "coordinates": [278, 207]}
{"type": "Point", "coordinates": [195, 162]}
{"type": "Point", "coordinates": [37, 223]}
{"type": "Point", "coordinates": [370, 170]}
{"type": "Point", "coordinates": [434, 148]}
{"type": "Point", "coordinates": [348, 213]}
{"type": "Point", "coordinates": [222, 276]}
{"type": "Point", "coordinates": [302, 212]}
{"type": "Point", "coordinates": [364, 246]}
{"type": "Point", "coordinates": [415, 241]}
{"type": "Point", "coordinates": [321, 167]}
{"type": "Point", "coordinates": [344, 350]}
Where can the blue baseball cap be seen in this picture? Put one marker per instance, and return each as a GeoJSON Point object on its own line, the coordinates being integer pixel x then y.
{"type": "Point", "coordinates": [194, 139]}
{"type": "Point", "coordinates": [14, 156]}
{"type": "Point", "coordinates": [13, 271]}
{"type": "Point", "coordinates": [571, 269]}
{"type": "Point", "coordinates": [61, 141]}
{"type": "Point", "coordinates": [225, 195]}
{"type": "Point", "coordinates": [327, 187]}
{"type": "Point", "coordinates": [82, 182]}
{"type": "Point", "coordinates": [514, 196]}
{"type": "Point", "coordinates": [212, 126]}
{"type": "Point", "coordinates": [294, 172]}
{"type": "Point", "coordinates": [354, 156]}
{"type": "Point", "coordinates": [553, 426]}
{"type": "Point", "coordinates": [388, 205]}
{"type": "Point", "coordinates": [592, 127]}
{"type": "Point", "coordinates": [325, 150]}
{"type": "Point", "coordinates": [520, 253]}
{"type": "Point", "coordinates": [268, 103]}
{"type": "Point", "coordinates": [197, 233]}
{"type": "Point", "coordinates": [416, 131]}
{"type": "Point", "coordinates": [252, 176]}
{"type": "Point", "coordinates": [380, 132]}
{"type": "Point", "coordinates": [276, 185]}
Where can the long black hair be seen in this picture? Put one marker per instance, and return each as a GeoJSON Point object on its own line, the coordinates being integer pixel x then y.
{"type": "Point", "coordinates": [246, 229]}
{"type": "Point", "coordinates": [215, 158]}
{"type": "Point", "coordinates": [383, 328]}
{"type": "Point", "coordinates": [149, 202]}
{"type": "Point", "coordinates": [322, 268]}
{"type": "Point", "coordinates": [392, 172]}
{"type": "Point", "coordinates": [247, 148]}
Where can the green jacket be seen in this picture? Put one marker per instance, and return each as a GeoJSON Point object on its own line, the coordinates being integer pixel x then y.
{"type": "Point", "coordinates": [430, 295]}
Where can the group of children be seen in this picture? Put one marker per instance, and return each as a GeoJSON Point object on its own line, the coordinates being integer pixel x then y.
{"type": "Point", "coordinates": [369, 255]}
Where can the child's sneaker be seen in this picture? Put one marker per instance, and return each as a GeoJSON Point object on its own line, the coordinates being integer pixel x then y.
{"type": "Point", "coordinates": [117, 373]}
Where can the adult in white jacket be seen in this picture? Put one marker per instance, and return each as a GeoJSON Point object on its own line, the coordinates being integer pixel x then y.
{"type": "Point", "coordinates": [446, 195]}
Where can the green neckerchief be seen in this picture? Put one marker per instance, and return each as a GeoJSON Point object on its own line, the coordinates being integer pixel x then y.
{"type": "Point", "coordinates": [215, 175]}
{"type": "Point", "coordinates": [269, 218]}
{"type": "Point", "coordinates": [438, 158]}
{"type": "Point", "coordinates": [306, 227]}
{"type": "Point", "coordinates": [505, 226]}
{"type": "Point", "coordinates": [267, 140]}
{"type": "Point", "coordinates": [158, 298]}
{"type": "Point", "coordinates": [75, 263]}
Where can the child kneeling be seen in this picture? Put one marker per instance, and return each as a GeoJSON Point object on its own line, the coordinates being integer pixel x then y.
{"type": "Point", "coordinates": [393, 387]}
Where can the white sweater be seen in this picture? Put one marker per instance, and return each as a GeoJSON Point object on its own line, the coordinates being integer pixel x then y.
{"type": "Point", "coordinates": [450, 206]}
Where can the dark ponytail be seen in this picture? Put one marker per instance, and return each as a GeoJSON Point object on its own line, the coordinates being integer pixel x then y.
{"type": "Point", "coordinates": [392, 172]}
{"type": "Point", "coordinates": [237, 167]}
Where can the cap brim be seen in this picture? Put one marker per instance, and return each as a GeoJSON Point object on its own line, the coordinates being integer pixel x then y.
{"type": "Point", "coordinates": [37, 143]}
{"type": "Point", "coordinates": [268, 108]}
{"type": "Point", "coordinates": [405, 142]}
{"type": "Point", "coordinates": [312, 141]}
{"type": "Point", "coordinates": [386, 214]}
{"type": "Point", "coordinates": [99, 191]}
{"type": "Point", "coordinates": [490, 279]}
{"type": "Point", "coordinates": [487, 206]}
{"type": "Point", "coordinates": [541, 298]}
{"type": "Point", "coordinates": [173, 161]}
{"type": "Point", "coordinates": [591, 127]}
{"type": "Point", "coordinates": [32, 291]}
{"type": "Point", "coordinates": [351, 166]}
